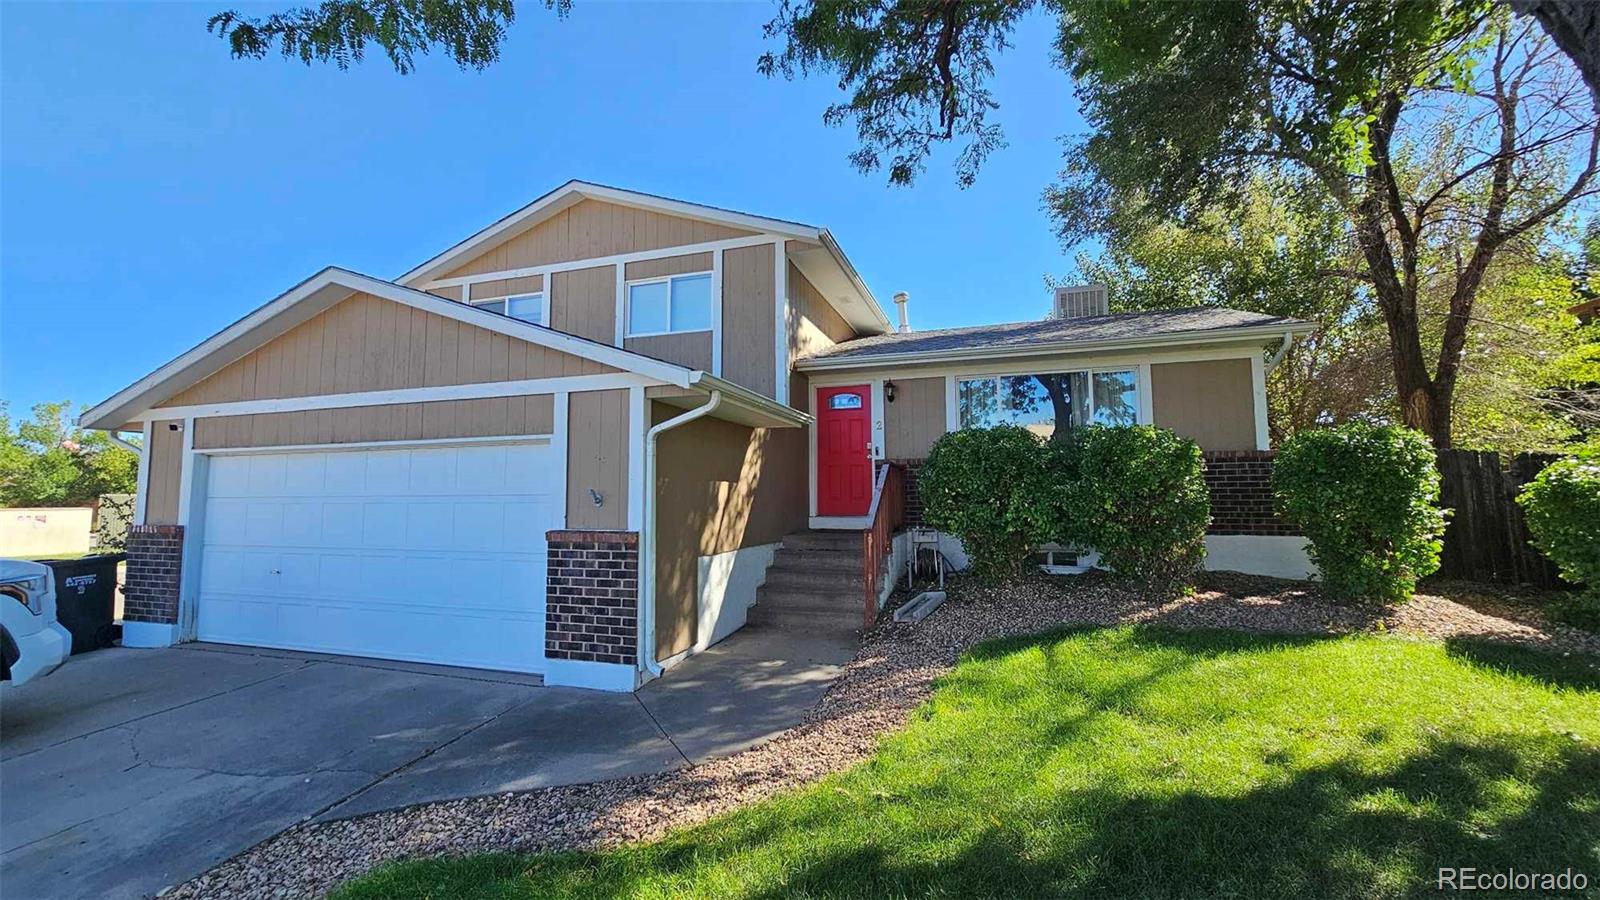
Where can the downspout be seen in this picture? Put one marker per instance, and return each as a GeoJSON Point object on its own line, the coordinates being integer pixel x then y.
{"type": "Point", "coordinates": [1277, 355]}
{"type": "Point", "coordinates": [647, 552]}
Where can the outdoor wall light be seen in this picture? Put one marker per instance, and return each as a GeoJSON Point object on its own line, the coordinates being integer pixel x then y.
{"type": "Point", "coordinates": [888, 392]}
{"type": "Point", "coordinates": [598, 498]}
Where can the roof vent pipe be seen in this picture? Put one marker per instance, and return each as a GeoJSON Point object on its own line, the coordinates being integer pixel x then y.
{"type": "Point", "coordinates": [900, 300]}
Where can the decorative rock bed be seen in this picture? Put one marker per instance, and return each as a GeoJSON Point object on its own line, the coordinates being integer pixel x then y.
{"type": "Point", "coordinates": [890, 676]}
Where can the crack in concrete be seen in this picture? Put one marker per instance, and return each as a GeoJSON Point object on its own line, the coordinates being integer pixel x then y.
{"type": "Point", "coordinates": [300, 668]}
{"type": "Point", "coordinates": [664, 733]}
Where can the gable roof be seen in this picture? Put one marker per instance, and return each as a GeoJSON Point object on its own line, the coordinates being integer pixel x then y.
{"type": "Point", "coordinates": [1116, 330]}
{"type": "Point", "coordinates": [333, 285]}
{"type": "Point", "coordinates": [825, 265]}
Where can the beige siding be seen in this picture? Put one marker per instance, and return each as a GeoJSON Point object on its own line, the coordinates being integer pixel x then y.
{"type": "Point", "coordinates": [749, 354]}
{"type": "Point", "coordinates": [692, 349]}
{"type": "Point", "coordinates": [486, 417]}
{"type": "Point", "coordinates": [814, 325]}
{"type": "Point", "coordinates": [165, 474]}
{"type": "Point", "coordinates": [369, 344]}
{"type": "Point", "coordinates": [449, 293]}
{"type": "Point", "coordinates": [507, 287]}
{"type": "Point", "coordinates": [669, 265]}
{"type": "Point", "coordinates": [720, 486]}
{"type": "Point", "coordinates": [915, 419]}
{"type": "Point", "coordinates": [597, 459]}
{"type": "Point", "coordinates": [1211, 402]}
{"type": "Point", "coordinates": [591, 229]}
{"type": "Point", "coordinates": [584, 302]}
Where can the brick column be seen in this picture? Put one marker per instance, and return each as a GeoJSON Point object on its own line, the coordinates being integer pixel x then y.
{"type": "Point", "coordinates": [155, 572]}
{"type": "Point", "coordinates": [913, 496]}
{"type": "Point", "coordinates": [592, 597]}
{"type": "Point", "coordinates": [1241, 493]}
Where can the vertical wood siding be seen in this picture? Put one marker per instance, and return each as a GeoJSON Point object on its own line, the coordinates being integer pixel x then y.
{"type": "Point", "coordinates": [669, 265]}
{"type": "Point", "coordinates": [692, 349]}
{"type": "Point", "coordinates": [915, 419]}
{"type": "Point", "coordinates": [591, 229]}
{"type": "Point", "coordinates": [597, 458]}
{"type": "Point", "coordinates": [584, 302]}
{"type": "Point", "coordinates": [165, 474]}
{"type": "Point", "coordinates": [814, 325]}
{"type": "Point", "coordinates": [369, 344]}
{"type": "Point", "coordinates": [720, 486]}
{"type": "Point", "coordinates": [484, 417]}
{"type": "Point", "coordinates": [1210, 402]}
{"type": "Point", "coordinates": [506, 287]}
{"type": "Point", "coordinates": [748, 338]}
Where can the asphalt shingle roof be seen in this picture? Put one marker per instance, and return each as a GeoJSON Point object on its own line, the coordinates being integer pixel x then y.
{"type": "Point", "coordinates": [1085, 329]}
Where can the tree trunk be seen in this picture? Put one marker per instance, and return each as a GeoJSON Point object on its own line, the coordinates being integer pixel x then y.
{"type": "Point", "coordinates": [1574, 25]}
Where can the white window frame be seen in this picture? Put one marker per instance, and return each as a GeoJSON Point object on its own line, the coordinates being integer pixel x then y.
{"type": "Point", "coordinates": [627, 305]}
{"type": "Point", "coordinates": [544, 304]}
{"type": "Point", "coordinates": [1140, 388]}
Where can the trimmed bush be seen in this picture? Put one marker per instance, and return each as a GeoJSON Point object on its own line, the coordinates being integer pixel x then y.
{"type": "Point", "coordinates": [985, 486]}
{"type": "Point", "coordinates": [1137, 494]}
{"type": "Point", "coordinates": [1367, 497]}
{"type": "Point", "coordinates": [1562, 508]}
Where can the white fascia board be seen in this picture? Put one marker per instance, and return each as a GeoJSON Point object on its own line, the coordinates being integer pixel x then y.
{"type": "Point", "coordinates": [559, 198]}
{"type": "Point", "coordinates": [135, 396]}
{"type": "Point", "coordinates": [827, 240]}
{"type": "Point", "coordinates": [783, 415]}
{"type": "Point", "coordinates": [1057, 348]}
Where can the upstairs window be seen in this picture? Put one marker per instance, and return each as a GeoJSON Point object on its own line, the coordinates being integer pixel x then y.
{"type": "Point", "coordinates": [1045, 402]}
{"type": "Point", "coordinates": [527, 307]}
{"type": "Point", "coordinates": [669, 305]}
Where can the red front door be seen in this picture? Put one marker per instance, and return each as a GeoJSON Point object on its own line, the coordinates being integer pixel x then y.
{"type": "Point", "coordinates": [844, 456]}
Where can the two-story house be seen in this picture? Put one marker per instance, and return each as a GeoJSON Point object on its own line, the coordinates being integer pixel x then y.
{"type": "Point", "coordinates": [576, 442]}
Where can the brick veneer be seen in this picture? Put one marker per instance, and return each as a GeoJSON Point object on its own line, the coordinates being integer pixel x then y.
{"type": "Point", "coordinates": [913, 498]}
{"type": "Point", "coordinates": [1241, 493]}
{"type": "Point", "coordinates": [592, 596]}
{"type": "Point", "coordinates": [155, 571]}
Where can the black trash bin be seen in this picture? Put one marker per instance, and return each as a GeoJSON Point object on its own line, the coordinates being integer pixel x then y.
{"type": "Point", "coordinates": [86, 596]}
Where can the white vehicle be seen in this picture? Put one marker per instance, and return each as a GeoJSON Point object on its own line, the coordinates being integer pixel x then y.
{"type": "Point", "coordinates": [32, 642]}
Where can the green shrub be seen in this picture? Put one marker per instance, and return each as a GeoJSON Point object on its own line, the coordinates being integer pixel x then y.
{"type": "Point", "coordinates": [1562, 508]}
{"type": "Point", "coordinates": [984, 485]}
{"type": "Point", "coordinates": [1137, 494]}
{"type": "Point", "coordinates": [1367, 497]}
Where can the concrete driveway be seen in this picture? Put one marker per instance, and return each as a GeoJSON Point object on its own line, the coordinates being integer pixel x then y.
{"type": "Point", "coordinates": [130, 770]}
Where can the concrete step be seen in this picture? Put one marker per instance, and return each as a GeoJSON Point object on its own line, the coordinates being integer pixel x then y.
{"type": "Point", "coordinates": [824, 581]}
{"type": "Point", "coordinates": [823, 540]}
{"type": "Point", "coordinates": [781, 598]}
{"type": "Point", "coordinates": [816, 561]}
{"type": "Point", "coordinates": [807, 620]}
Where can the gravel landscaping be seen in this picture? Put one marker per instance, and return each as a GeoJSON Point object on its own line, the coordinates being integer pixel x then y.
{"type": "Point", "coordinates": [891, 675]}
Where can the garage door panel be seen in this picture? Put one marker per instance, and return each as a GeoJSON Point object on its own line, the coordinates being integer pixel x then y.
{"type": "Point", "coordinates": [432, 554]}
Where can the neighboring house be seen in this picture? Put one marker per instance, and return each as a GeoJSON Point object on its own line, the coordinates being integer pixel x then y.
{"type": "Point", "coordinates": [576, 442]}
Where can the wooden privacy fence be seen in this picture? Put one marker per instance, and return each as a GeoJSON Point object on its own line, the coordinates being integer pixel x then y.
{"type": "Point", "coordinates": [1486, 538]}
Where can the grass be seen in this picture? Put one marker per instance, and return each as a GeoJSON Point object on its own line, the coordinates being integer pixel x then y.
{"type": "Point", "coordinates": [1142, 762]}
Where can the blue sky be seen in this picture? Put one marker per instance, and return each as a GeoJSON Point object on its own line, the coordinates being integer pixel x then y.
{"type": "Point", "coordinates": [153, 190]}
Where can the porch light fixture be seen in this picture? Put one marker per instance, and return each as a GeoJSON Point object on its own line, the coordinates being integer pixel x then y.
{"type": "Point", "coordinates": [888, 392]}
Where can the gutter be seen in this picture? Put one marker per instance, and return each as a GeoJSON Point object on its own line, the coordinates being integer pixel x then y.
{"type": "Point", "coordinates": [647, 549]}
{"type": "Point", "coordinates": [1210, 336]}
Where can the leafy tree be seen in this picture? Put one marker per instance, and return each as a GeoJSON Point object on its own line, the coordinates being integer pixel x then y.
{"type": "Point", "coordinates": [48, 462]}
{"type": "Point", "coordinates": [339, 31]}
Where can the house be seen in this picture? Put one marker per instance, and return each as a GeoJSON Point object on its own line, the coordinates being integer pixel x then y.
{"type": "Point", "coordinates": [585, 439]}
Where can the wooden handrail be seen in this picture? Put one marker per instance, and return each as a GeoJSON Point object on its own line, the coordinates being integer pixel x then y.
{"type": "Point", "coordinates": [885, 516]}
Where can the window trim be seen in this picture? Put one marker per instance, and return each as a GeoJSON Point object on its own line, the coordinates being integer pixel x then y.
{"type": "Point", "coordinates": [627, 303]}
{"type": "Point", "coordinates": [1140, 386]}
{"type": "Point", "coordinates": [544, 303]}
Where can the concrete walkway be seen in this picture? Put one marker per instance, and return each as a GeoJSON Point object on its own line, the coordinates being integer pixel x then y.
{"type": "Point", "coordinates": [130, 770]}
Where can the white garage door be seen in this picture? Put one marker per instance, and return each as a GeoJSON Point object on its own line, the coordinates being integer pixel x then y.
{"type": "Point", "coordinates": [429, 554]}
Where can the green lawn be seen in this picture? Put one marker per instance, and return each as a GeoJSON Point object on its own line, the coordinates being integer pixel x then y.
{"type": "Point", "coordinates": [1133, 762]}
